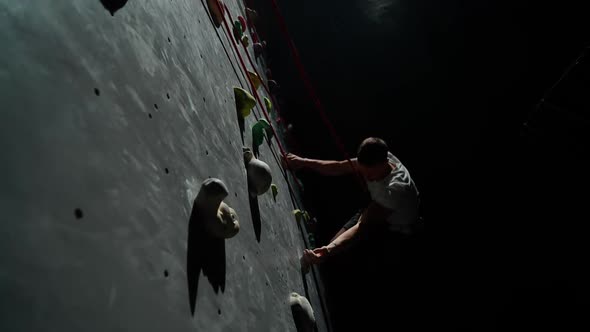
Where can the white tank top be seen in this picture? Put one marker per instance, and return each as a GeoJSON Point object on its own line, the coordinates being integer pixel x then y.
{"type": "Point", "coordinates": [397, 192]}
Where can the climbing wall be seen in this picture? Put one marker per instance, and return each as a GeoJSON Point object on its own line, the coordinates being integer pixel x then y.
{"type": "Point", "coordinates": [113, 114]}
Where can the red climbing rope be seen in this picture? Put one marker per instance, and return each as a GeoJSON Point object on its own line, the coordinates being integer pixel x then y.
{"type": "Point", "coordinates": [307, 82]}
{"type": "Point", "coordinates": [305, 77]}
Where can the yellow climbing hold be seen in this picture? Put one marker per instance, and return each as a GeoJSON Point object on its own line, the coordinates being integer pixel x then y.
{"type": "Point", "coordinates": [268, 104]}
{"type": "Point", "coordinates": [244, 101]}
{"type": "Point", "coordinates": [245, 41]}
{"type": "Point", "coordinates": [255, 79]}
{"type": "Point", "coordinates": [298, 214]}
{"type": "Point", "coordinates": [275, 191]}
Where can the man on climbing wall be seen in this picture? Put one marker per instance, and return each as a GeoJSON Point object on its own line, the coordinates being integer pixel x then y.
{"type": "Point", "coordinates": [394, 196]}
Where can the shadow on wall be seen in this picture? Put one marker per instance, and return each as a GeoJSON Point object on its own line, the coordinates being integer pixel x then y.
{"type": "Point", "coordinates": [204, 253]}
{"type": "Point", "coordinates": [113, 5]}
{"type": "Point", "coordinates": [255, 212]}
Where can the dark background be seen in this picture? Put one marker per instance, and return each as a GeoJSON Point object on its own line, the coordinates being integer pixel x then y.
{"type": "Point", "coordinates": [450, 86]}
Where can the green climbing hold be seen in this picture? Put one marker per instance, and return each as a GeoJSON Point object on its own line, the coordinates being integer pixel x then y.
{"type": "Point", "coordinates": [255, 79]}
{"type": "Point", "coordinates": [268, 104]}
{"type": "Point", "coordinates": [238, 31]}
{"type": "Point", "coordinates": [275, 191]}
{"type": "Point", "coordinates": [244, 101]}
{"type": "Point", "coordinates": [258, 131]}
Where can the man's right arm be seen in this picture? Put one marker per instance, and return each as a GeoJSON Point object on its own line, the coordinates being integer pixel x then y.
{"type": "Point", "coordinates": [324, 167]}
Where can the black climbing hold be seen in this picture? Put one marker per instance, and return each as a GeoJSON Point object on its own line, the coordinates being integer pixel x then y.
{"type": "Point", "coordinates": [166, 170]}
{"type": "Point", "coordinates": [166, 273]}
{"type": "Point", "coordinates": [113, 5]}
{"type": "Point", "coordinates": [206, 152]}
{"type": "Point", "coordinates": [219, 311]}
{"type": "Point", "coordinates": [150, 115]}
{"type": "Point", "coordinates": [156, 106]}
{"type": "Point", "coordinates": [168, 95]}
{"type": "Point", "coordinates": [96, 92]}
{"type": "Point", "coordinates": [78, 213]}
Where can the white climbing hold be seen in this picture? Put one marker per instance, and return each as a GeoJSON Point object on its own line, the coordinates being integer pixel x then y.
{"type": "Point", "coordinates": [302, 313]}
{"type": "Point", "coordinates": [219, 219]}
{"type": "Point", "coordinates": [259, 174]}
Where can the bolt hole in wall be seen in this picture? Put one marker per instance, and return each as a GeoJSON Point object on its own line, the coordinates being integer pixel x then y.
{"type": "Point", "coordinates": [206, 152]}
{"type": "Point", "coordinates": [166, 273]}
{"type": "Point", "coordinates": [219, 311]}
{"type": "Point", "coordinates": [166, 170]}
{"type": "Point", "coordinates": [96, 92]}
{"type": "Point", "coordinates": [168, 95]}
{"type": "Point", "coordinates": [150, 115]}
{"type": "Point", "coordinates": [156, 106]}
{"type": "Point", "coordinates": [169, 40]}
{"type": "Point", "coordinates": [78, 213]}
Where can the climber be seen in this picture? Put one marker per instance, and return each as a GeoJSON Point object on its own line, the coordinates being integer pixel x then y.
{"type": "Point", "coordinates": [394, 196]}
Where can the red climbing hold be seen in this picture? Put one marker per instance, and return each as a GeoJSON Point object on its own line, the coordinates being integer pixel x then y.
{"type": "Point", "coordinates": [254, 37]}
{"type": "Point", "coordinates": [243, 23]}
{"type": "Point", "coordinates": [216, 10]}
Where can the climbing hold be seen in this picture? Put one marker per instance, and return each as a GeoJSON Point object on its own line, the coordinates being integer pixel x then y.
{"type": "Point", "coordinates": [244, 101]}
{"type": "Point", "coordinates": [311, 239]}
{"type": "Point", "coordinates": [268, 104]}
{"type": "Point", "coordinates": [254, 37]}
{"type": "Point", "coordinates": [259, 175]}
{"type": "Point", "coordinates": [306, 216]}
{"type": "Point", "coordinates": [273, 86]}
{"type": "Point", "coordinates": [302, 313]}
{"type": "Point", "coordinates": [298, 214]}
{"type": "Point", "coordinates": [238, 30]}
{"type": "Point", "coordinates": [219, 219]}
{"type": "Point", "coordinates": [257, 50]}
{"type": "Point", "coordinates": [216, 10]}
{"type": "Point", "coordinates": [258, 131]}
{"type": "Point", "coordinates": [245, 41]}
{"type": "Point", "coordinates": [243, 23]}
{"type": "Point", "coordinates": [113, 5]}
{"type": "Point", "coordinates": [252, 16]}
{"type": "Point", "coordinates": [275, 191]}
{"type": "Point", "coordinates": [255, 79]}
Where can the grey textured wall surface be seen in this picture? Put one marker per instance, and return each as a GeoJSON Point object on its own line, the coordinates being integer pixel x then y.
{"type": "Point", "coordinates": [121, 118]}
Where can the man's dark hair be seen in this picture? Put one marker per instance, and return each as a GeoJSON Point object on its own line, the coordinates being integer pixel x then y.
{"type": "Point", "coordinates": [372, 151]}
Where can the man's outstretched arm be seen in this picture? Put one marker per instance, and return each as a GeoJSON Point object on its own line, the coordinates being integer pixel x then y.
{"type": "Point", "coordinates": [374, 213]}
{"type": "Point", "coordinates": [324, 167]}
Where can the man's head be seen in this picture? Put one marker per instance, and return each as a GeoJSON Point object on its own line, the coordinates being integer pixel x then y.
{"type": "Point", "coordinates": [372, 158]}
